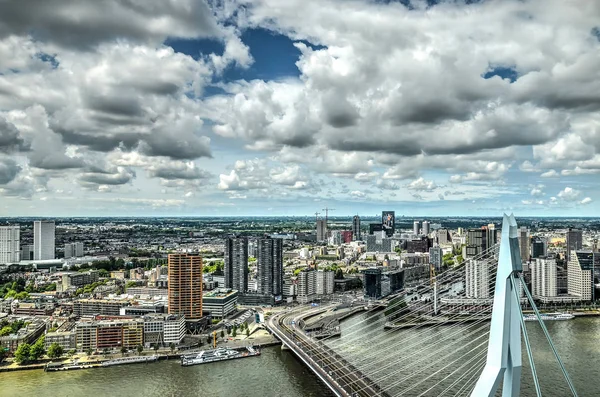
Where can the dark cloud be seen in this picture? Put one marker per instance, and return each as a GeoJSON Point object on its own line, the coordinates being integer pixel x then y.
{"type": "Point", "coordinates": [10, 138]}
{"type": "Point", "coordinates": [9, 169]}
{"type": "Point", "coordinates": [119, 104]}
{"type": "Point", "coordinates": [179, 172]}
{"type": "Point", "coordinates": [117, 176]}
{"type": "Point", "coordinates": [84, 24]}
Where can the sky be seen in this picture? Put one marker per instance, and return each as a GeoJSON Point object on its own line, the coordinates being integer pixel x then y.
{"type": "Point", "coordinates": [270, 107]}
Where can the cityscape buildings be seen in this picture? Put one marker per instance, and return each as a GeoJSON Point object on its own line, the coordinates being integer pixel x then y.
{"type": "Point", "coordinates": [73, 250]}
{"type": "Point", "coordinates": [43, 240]}
{"type": "Point", "coordinates": [544, 279]}
{"type": "Point", "coordinates": [574, 242]}
{"type": "Point", "coordinates": [539, 247]}
{"type": "Point", "coordinates": [321, 230]}
{"type": "Point", "coordinates": [435, 257]}
{"type": "Point", "coordinates": [579, 274]}
{"type": "Point", "coordinates": [236, 264]}
{"type": "Point", "coordinates": [356, 232]}
{"type": "Point", "coordinates": [524, 243]}
{"type": "Point", "coordinates": [10, 251]}
{"type": "Point", "coordinates": [185, 285]}
{"type": "Point", "coordinates": [477, 279]}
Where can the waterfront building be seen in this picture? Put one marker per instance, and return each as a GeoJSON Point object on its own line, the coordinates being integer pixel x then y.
{"type": "Point", "coordinates": [580, 275]}
{"type": "Point", "coordinates": [270, 267]}
{"type": "Point", "coordinates": [28, 334]}
{"type": "Point", "coordinates": [220, 302]}
{"type": "Point", "coordinates": [236, 264]}
{"type": "Point", "coordinates": [435, 257]}
{"type": "Point", "coordinates": [321, 231]}
{"type": "Point", "coordinates": [113, 333]}
{"type": "Point", "coordinates": [356, 228]}
{"type": "Point", "coordinates": [10, 241]}
{"type": "Point", "coordinates": [43, 240]}
{"type": "Point", "coordinates": [574, 242]}
{"type": "Point", "coordinates": [524, 243]}
{"type": "Point", "coordinates": [73, 250]}
{"type": "Point", "coordinates": [185, 285]}
{"type": "Point", "coordinates": [544, 279]}
{"type": "Point", "coordinates": [477, 279]}
{"type": "Point", "coordinates": [163, 329]}
{"type": "Point", "coordinates": [66, 339]}
{"type": "Point", "coordinates": [379, 283]}
{"type": "Point", "coordinates": [90, 307]}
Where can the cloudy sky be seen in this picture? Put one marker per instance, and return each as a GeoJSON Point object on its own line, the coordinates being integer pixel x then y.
{"type": "Point", "coordinates": [265, 107]}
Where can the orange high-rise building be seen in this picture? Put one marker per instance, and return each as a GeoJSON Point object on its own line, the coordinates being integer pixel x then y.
{"type": "Point", "coordinates": [185, 285]}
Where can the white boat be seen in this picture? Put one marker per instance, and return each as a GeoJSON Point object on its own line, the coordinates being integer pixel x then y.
{"type": "Point", "coordinates": [549, 317]}
{"type": "Point", "coordinates": [130, 360]}
{"type": "Point", "coordinates": [209, 356]}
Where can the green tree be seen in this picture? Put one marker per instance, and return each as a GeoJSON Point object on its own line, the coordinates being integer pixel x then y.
{"type": "Point", "coordinates": [172, 347]}
{"type": "Point", "coordinates": [222, 334]}
{"type": "Point", "coordinates": [155, 347]}
{"type": "Point", "coordinates": [71, 352]}
{"type": "Point", "coordinates": [234, 332]}
{"type": "Point", "coordinates": [37, 349]}
{"type": "Point", "coordinates": [3, 355]}
{"type": "Point", "coordinates": [140, 349]}
{"type": "Point", "coordinates": [247, 332]}
{"type": "Point", "coordinates": [208, 340]}
{"type": "Point", "coordinates": [22, 353]}
{"type": "Point", "coordinates": [89, 351]}
{"type": "Point", "coordinates": [55, 350]}
{"type": "Point", "coordinates": [123, 350]}
{"type": "Point", "coordinates": [105, 351]}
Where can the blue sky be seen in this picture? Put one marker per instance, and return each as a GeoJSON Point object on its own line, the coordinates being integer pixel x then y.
{"type": "Point", "coordinates": [252, 107]}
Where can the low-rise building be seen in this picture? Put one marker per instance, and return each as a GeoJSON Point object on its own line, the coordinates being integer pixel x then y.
{"type": "Point", "coordinates": [28, 334]}
{"type": "Point", "coordinates": [79, 279]}
{"type": "Point", "coordinates": [163, 329]}
{"type": "Point", "coordinates": [219, 302]}
{"type": "Point", "coordinates": [90, 307]}
{"type": "Point", "coordinates": [146, 291]}
{"type": "Point", "coordinates": [109, 334]}
{"type": "Point", "coordinates": [66, 340]}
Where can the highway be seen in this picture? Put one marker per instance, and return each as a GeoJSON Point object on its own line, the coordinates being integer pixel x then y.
{"type": "Point", "coordinates": [342, 377]}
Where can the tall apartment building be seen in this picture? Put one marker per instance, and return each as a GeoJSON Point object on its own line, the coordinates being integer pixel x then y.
{"type": "Point", "coordinates": [524, 243]}
{"type": "Point", "coordinates": [307, 285]}
{"type": "Point", "coordinates": [321, 230]}
{"type": "Point", "coordinates": [325, 282]}
{"type": "Point", "coordinates": [580, 270]}
{"type": "Point", "coordinates": [426, 228]}
{"type": "Point", "coordinates": [543, 278]}
{"type": "Point", "coordinates": [10, 241]}
{"type": "Point", "coordinates": [236, 264]}
{"type": "Point", "coordinates": [43, 240]}
{"type": "Point", "coordinates": [73, 250]}
{"type": "Point", "coordinates": [27, 252]}
{"type": "Point", "coordinates": [443, 237]}
{"type": "Point", "coordinates": [574, 242]}
{"type": "Point", "coordinates": [356, 228]}
{"type": "Point", "coordinates": [477, 279]}
{"type": "Point", "coordinates": [435, 257]}
{"type": "Point", "coordinates": [270, 266]}
{"type": "Point", "coordinates": [416, 228]}
{"type": "Point", "coordinates": [185, 285]}
{"type": "Point", "coordinates": [480, 241]}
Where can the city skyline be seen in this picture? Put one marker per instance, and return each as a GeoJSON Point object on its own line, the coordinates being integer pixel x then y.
{"type": "Point", "coordinates": [251, 108]}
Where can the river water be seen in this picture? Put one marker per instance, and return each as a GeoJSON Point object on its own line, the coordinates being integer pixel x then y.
{"type": "Point", "coordinates": [278, 373]}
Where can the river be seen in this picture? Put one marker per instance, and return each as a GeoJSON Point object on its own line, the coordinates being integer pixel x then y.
{"type": "Point", "coordinates": [278, 373]}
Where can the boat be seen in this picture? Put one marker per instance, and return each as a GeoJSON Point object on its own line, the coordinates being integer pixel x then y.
{"type": "Point", "coordinates": [52, 367]}
{"type": "Point", "coordinates": [130, 360]}
{"type": "Point", "coordinates": [549, 317]}
{"type": "Point", "coordinates": [220, 354]}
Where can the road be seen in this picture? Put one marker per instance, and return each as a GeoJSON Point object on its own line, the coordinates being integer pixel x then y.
{"type": "Point", "coordinates": [342, 377]}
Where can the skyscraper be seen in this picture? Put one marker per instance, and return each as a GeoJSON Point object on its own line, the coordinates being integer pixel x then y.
{"type": "Point", "coordinates": [321, 230]}
{"type": "Point", "coordinates": [388, 222]}
{"type": "Point", "coordinates": [477, 279]}
{"type": "Point", "coordinates": [9, 244]}
{"type": "Point", "coordinates": [435, 257]}
{"type": "Point", "coordinates": [356, 228]}
{"type": "Point", "coordinates": [270, 266]}
{"type": "Point", "coordinates": [185, 285]}
{"type": "Point", "coordinates": [574, 242]}
{"type": "Point", "coordinates": [73, 250]}
{"type": "Point", "coordinates": [539, 247]}
{"type": "Point", "coordinates": [543, 278]}
{"type": "Point", "coordinates": [524, 243]}
{"type": "Point", "coordinates": [416, 227]}
{"type": "Point", "coordinates": [43, 240]}
{"type": "Point", "coordinates": [580, 278]}
{"type": "Point", "coordinates": [236, 264]}
{"type": "Point", "coordinates": [426, 228]}
{"type": "Point", "coordinates": [479, 241]}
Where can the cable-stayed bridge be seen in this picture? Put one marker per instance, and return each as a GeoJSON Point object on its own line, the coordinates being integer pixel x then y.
{"type": "Point", "coordinates": [459, 335]}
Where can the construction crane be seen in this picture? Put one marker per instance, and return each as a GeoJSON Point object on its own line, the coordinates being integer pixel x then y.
{"type": "Point", "coordinates": [327, 213]}
{"type": "Point", "coordinates": [317, 216]}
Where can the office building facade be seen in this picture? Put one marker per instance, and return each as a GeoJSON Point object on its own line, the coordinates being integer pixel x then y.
{"type": "Point", "coordinates": [388, 222]}
{"type": "Point", "coordinates": [321, 230]}
{"type": "Point", "coordinates": [580, 270]}
{"type": "Point", "coordinates": [574, 242]}
{"type": "Point", "coordinates": [270, 266]}
{"type": "Point", "coordinates": [416, 228]}
{"type": "Point", "coordinates": [43, 240]}
{"type": "Point", "coordinates": [307, 284]}
{"type": "Point", "coordinates": [477, 279]}
{"type": "Point", "coordinates": [435, 257]}
{"type": "Point", "coordinates": [236, 264]}
{"type": "Point", "coordinates": [10, 240]}
{"type": "Point", "coordinates": [426, 228]}
{"type": "Point", "coordinates": [539, 247]}
{"type": "Point", "coordinates": [524, 243]}
{"type": "Point", "coordinates": [73, 250]}
{"type": "Point", "coordinates": [185, 285]}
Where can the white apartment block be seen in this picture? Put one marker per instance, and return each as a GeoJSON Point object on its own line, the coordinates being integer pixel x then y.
{"type": "Point", "coordinates": [163, 329]}
{"type": "Point", "coordinates": [543, 278]}
{"type": "Point", "coordinates": [325, 282]}
{"type": "Point", "coordinates": [9, 244]}
{"type": "Point", "coordinates": [307, 286]}
{"type": "Point", "coordinates": [477, 279]}
{"type": "Point", "coordinates": [579, 274]}
{"type": "Point", "coordinates": [43, 240]}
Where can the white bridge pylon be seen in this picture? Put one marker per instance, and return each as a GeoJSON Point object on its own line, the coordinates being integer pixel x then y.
{"type": "Point", "coordinates": [504, 348]}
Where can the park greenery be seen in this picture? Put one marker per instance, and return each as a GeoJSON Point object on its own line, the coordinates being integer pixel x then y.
{"type": "Point", "coordinates": [55, 350]}
{"type": "Point", "coordinates": [396, 308]}
{"type": "Point", "coordinates": [7, 328]}
{"type": "Point", "coordinates": [215, 266]}
{"type": "Point", "coordinates": [26, 353]}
